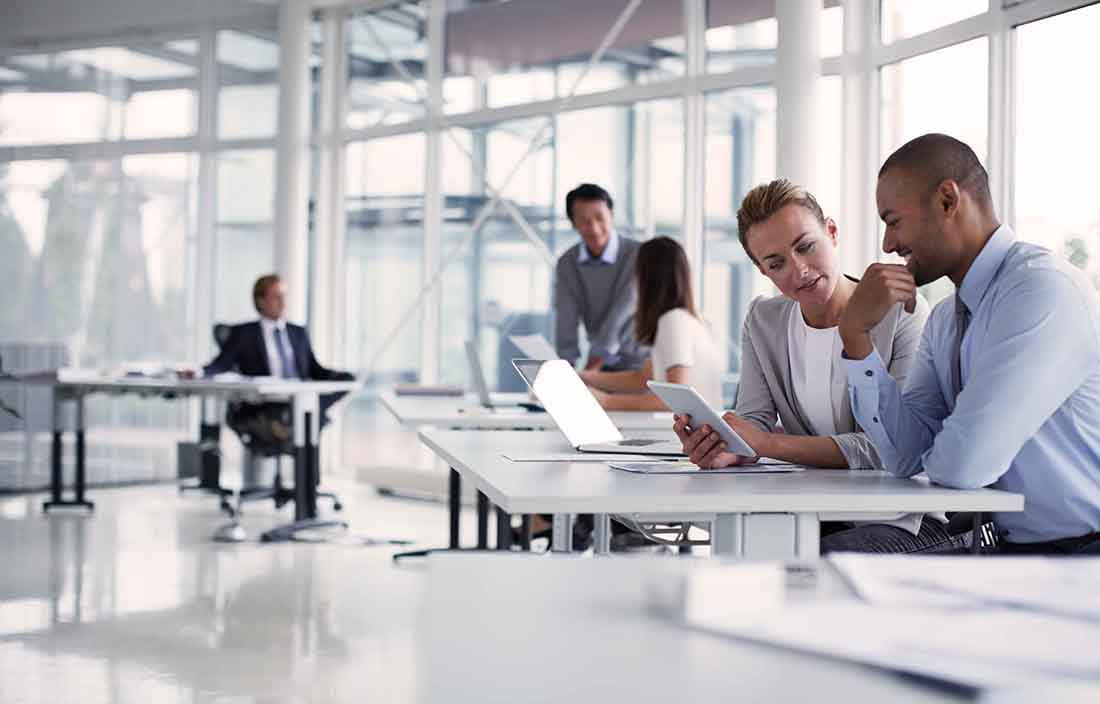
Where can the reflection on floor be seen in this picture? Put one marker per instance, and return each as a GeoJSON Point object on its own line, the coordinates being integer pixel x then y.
{"type": "Point", "coordinates": [135, 603]}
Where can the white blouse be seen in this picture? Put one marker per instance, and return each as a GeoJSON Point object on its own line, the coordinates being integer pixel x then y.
{"type": "Point", "coordinates": [820, 385]}
{"type": "Point", "coordinates": [683, 340]}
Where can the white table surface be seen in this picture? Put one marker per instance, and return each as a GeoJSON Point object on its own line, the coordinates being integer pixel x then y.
{"type": "Point", "coordinates": [466, 412]}
{"type": "Point", "coordinates": [561, 487]}
{"type": "Point", "coordinates": [90, 380]}
{"type": "Point", "coordinates": [514, 628]}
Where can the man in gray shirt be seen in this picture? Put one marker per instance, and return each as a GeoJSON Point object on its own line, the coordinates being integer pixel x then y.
{"type": "Point", "coordinates": [594, 286]}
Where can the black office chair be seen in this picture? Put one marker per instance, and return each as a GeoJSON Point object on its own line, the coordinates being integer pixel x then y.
{"type": "Point", "coordinates": [262, 447]}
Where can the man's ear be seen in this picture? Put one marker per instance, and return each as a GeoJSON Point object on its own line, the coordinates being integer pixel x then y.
{"type": "Point", "coordinates": [948, 196]}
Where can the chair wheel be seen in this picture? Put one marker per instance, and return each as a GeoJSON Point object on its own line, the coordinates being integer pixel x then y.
{"type": "Point", "coordinates": [337, 506]}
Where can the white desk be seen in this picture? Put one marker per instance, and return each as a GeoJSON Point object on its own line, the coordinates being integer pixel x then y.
{"type": "Point", "coordinates": [758, 516]}
{"type": "Point", "coordinates": [73, 385]}
{"type": "Point", "coordinates": [523, 628]}
{"type": "Point", "coordinates": [465, 413]}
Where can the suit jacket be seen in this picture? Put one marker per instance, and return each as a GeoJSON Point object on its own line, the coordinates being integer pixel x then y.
{"type": "Point", "coordinates": [765, 393]}
{"type": "Point", "coordinates": [244, 352]}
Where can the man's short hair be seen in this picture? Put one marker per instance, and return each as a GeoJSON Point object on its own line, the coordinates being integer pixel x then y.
{"type": "Point", "coordinates": [259, 289]}
{"type": "Point", "coordinates": [586, 191]}
{"type": "Point", "coordinates": [766, 200]}
{"type": "Point", "coordinates": [934, 158]}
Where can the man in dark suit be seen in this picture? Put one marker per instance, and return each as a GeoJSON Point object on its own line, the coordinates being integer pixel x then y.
{"type": "Point", "coordinates": [271, 346]}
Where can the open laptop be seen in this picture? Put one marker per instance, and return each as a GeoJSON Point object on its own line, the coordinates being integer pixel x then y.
{"type": "Point", "coordinates": [534, 346]}
{"type": "Point", "coordinates": [579, 416]}
{"type": "Point", "coordinates": [477, 377]}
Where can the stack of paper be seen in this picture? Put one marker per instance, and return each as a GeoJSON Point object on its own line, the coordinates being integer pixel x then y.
{"type": "Point", "coordinates": [988, 623]}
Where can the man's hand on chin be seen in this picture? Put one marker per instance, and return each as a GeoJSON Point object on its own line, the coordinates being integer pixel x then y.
{"type": "Point", "coordinates": [882, 287]}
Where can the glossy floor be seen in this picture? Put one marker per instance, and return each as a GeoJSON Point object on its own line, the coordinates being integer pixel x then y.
{"type": "Point", "coordinates": [135, 603]}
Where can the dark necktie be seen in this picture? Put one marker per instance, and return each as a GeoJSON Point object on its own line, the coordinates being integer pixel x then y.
{"type": "Point", "coordinates": [962, 320]}
{"type": "Point", "coordinates": [284, 356]}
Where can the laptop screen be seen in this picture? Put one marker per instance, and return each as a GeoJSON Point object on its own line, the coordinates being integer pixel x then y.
{"type": "Point", "coordinates": [565, 397]}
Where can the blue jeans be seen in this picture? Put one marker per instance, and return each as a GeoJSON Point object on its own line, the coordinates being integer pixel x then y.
{"type": "Point", "coordinates": [881, 538]}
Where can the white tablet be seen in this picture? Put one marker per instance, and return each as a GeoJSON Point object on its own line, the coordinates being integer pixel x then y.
{"type": "Point", "coordinates": [685, 400]}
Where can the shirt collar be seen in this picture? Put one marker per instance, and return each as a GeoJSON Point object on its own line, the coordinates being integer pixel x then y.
{"type": "Point", "coordinates": [610, 252]}
{"type": "Point", "coordinates": [985, 267]}
{"type": "Point", "coordinates": [269, 325]}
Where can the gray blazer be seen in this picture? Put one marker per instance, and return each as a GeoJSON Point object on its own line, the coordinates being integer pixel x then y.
{"type": "Point", "coordinates": [765, 392]}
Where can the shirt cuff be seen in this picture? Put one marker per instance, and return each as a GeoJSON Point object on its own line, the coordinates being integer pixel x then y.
{"type": "Point", "coordinates": [865, 372]}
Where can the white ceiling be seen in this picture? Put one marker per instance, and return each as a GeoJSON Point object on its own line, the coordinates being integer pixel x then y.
{"type": "Point", "coordinates": [24, 23]}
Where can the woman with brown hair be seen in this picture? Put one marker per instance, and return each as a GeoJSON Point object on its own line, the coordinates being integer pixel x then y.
{"type": "Point", "coordinates": [683, 348]}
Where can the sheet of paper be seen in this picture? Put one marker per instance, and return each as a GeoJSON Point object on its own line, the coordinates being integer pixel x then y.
{"type": "Point", "coordinates": [689, 468]}
{"type": "Point", "coordinates": [975, 647]}
{"type": "Point", "coordinates": [1054, 586]}
{"type": "Point", "coordinates": [534, 346]}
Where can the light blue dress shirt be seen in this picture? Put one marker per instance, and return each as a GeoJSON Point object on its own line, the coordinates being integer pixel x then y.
{"type": "Point", "coordinates": [609, 255]}
{"type": "Point", "coordinates": [1028, 417]}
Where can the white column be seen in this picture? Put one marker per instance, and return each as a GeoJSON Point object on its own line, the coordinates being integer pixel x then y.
{"type": "Point", "coordinates": [431, 342]}
{"type": "Point", "coordinates": [999, 163]}
{"type": "Point", "coordinates": [205, 233]}
{"type": "Point", "coordinates": [798, 67]}
{"type": "Point", "coordinates": [695, 19]}
{"type": "Point", "coordinates": [202, 346]}
{"type": "Point", "coordinates": [292, 163]}
{"type": "Point", "coordinates": [326, 263]}
{"type": "Point", "coordinates": [860, 244]}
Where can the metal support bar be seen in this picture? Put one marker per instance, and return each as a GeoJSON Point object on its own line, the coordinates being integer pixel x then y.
{"type": "Point", "coordinates": [482, 521]}
{"type": "Point", "coordinates": [727, 535]}
{"type": "Point", "coordinates": [504, 529]}
{"type": "Point", "coordinates": [602, 533]}
{"type": "Point", "coordinates": [561, 538]}
{"type": "Point", "coordinates": [454, 498]}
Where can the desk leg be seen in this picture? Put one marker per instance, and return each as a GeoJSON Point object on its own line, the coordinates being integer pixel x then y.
{"type": "Point", "coordinates": [525, 533]}
{"type": "Point", "coordinates": [561, 538]}
{"type": "Point", "coordinates": [602, 533]}
{"type": "Point", "coordinates": [307, 437]}
{"type": "Point", "coordinates": [504, 530]}
{"type": "Point", "coordinates": [727, 535]}
{"type": "Point", "coordinates": [482, 521]}
{"type": "Point", "coordinates": [210, 459]}
{"type": "Point", "coordinates": [56, 488]}
{"type": "Point", "coordinates": [807, 536]}
{"type": "Point", "coordinates": [454, 499]}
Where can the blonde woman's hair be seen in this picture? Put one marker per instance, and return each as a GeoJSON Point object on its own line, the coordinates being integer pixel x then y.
{"type": "Point", "coordinates": [766, 200]}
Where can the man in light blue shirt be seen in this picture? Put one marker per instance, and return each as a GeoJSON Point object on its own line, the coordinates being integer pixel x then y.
{"type": "Point", "coordinates": [1005, 391]}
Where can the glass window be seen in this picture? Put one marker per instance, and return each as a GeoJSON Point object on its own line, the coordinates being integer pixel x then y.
{"type": "Point", "coordinates": [502, 285]}
{"type": "Point", "coordinates": [1057, 143]}
{"type": "Point", "coordinates": [913, 96]}
{"type": "Point", "coordinates": [907, 18]}
{"type": "Point", "coordinates": [248, 80]}
{"type": "Point", "coordinates": [385, 235]}
{"type": "Point", "coordinates": [740, 153]}
{"type": "Point", "coordinates": [914, 93]}
{"type": "Point", "coordinates": [98, 260]}
{"type": "Point", "coordinates": [101, 255]}
{"type": "Point", "coordinates": [378, 93]}
{"type": "Point", "coordinates": [529, 50]}
{"type": "Point", "coordinates": [741, 34]}
{"type": "Point", "coordinates": [244, 247]}
{"type": "Point", "coordinates": [102, 94]}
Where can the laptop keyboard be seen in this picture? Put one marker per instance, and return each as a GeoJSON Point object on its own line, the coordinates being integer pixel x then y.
{"type": "Point", "coordinates": [638, 442]}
